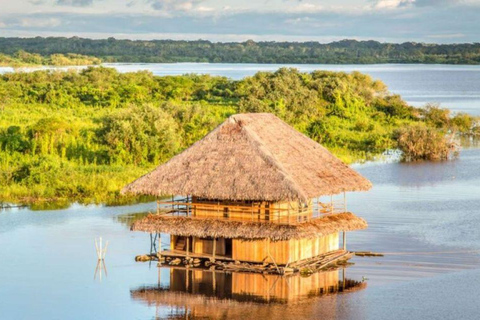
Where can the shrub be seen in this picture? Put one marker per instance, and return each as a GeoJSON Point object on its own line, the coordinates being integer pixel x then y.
{"type": "Point", "coordinates": [418, 142]}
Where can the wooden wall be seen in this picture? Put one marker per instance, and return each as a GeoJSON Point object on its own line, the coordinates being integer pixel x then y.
{"type": "Point", "coordinates": [283, 252]}
{"type": "Point", "coordinates": [206, 246]}
{"type": "Point", "coordinates": [280, 252]}
{"type": "Point", "coordinates": [201, 245]}
{"type": "Point", "coordinates": [262, 210]}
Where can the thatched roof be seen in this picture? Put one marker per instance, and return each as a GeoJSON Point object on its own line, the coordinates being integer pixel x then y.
{"type": "Point", "coordinates": [253, 156]}
{"type": "Point", "coordinates": [249, 230]}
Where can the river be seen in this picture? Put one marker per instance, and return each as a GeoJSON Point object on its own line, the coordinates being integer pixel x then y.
{"type": "Point", "coordinates": [424, 216]}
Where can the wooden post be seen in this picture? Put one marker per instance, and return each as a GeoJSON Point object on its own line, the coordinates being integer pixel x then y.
{"type": "Point", "coordinates": [288, 213]}
{"type": "Point", "coordinates": [214, 247]}
{"type": "Point", "coordinates": [345, 240]}
{"type": "Point", "coordinates": [160, 242]}
{"type": "Point", "coordinates": [188, 245]}
{"type": "Point", "coordinates": [331, 203]}
{"type": "Point", "coordinates": [158, 206]}
{"type": "Point", "coordinates": [252, 210]}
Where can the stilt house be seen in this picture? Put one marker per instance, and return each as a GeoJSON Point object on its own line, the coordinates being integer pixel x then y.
{"type": "Point", "coordinates": [252, 190]}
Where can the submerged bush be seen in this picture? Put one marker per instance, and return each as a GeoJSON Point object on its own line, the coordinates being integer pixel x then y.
{"type": "Point", "coordinates": [418, 142]}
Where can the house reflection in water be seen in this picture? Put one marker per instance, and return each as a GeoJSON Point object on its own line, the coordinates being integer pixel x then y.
{"type": "Point", "coordinates": [195, 293]}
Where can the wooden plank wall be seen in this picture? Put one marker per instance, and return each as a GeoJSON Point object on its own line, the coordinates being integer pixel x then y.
{"type": "Point", "coordinates": [206, 246]}
{"type": "Point", "coordinates": [283, 252]}
{"type": "Point", "coordinates": [245, 211]}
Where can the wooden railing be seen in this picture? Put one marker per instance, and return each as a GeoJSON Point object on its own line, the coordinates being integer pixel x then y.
{"type": "Point", "coordinates": [254, 211]}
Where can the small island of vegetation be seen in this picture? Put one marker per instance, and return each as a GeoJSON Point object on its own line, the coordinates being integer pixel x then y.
{"type": "Point", "coordinates": [25, 59]}
{"type": "Point", "coordinates": [81, 136]}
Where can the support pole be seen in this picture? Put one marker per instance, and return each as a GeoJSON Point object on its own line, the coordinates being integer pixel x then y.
{"type": "Point", "coordinates": [188, 245]}
{"type": "Point", "coordinates": [331, 203]}
{"type": "Point", "coordinates": [345, 240]}
{"type": "Point", "coordinates": [214, 248]}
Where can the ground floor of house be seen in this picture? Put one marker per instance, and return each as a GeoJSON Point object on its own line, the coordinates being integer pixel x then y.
{"type": "Point", "coordinates": [256, 251]}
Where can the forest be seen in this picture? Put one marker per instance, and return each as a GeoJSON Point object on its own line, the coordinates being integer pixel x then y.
{"type": "Point", "coordinates": [345, 51]}
{"type": "Point", "coordinates": [82, 135]}
{"type": "Point", "coordinates": [25, 59]}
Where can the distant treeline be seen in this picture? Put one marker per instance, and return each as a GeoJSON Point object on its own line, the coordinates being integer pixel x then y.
{"type": "Point", "coordinates": [345, 51]}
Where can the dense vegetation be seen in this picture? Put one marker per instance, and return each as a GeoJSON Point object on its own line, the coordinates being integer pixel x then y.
{"type": "Point", "coordinates": [83, 135]}
{"type": "Point", "coordinates": [22, 58]}
{"type": "Point", "coordinates": [346, 51]}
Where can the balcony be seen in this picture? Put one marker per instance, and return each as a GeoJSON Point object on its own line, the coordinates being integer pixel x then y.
{"type": "Point", "coordinates": [274, 212]}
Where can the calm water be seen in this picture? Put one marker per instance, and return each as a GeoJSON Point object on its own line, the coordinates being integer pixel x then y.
{"type": "Point", "coordinates": [424, 215]}
{"type": "Point", "coordinates": [454, 87]}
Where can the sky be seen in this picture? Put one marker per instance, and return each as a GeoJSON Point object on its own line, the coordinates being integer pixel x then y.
{"type": "Point", "coordinates": [431, 21]}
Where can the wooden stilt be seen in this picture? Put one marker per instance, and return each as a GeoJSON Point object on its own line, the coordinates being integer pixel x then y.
{"type": "Point", "coordinates": [331, 203]}
{"type": "Point", "coordinates": [345, 240]}
{"type": "Point", "coordinates": [188, 246]}
{"type": "Point", "coordinates": [214, 247]}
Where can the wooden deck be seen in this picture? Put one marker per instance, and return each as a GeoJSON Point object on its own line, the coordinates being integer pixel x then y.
{"type": "Point", "coordinates": [312, 265]}
{"type": "Point", "coordinates": [183, 254]}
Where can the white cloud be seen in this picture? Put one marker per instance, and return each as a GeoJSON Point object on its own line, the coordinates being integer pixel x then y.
{"type": "Point", "coordinates": [447, 36]}
{"type": "Point", "coordinates": [74, 3]}
{"type": "Point", "coordinates": [39, 22]}
{"type": "Point", "coordinates": [393, 4]}
{"type": "Point", "coordinates": [171, 6]}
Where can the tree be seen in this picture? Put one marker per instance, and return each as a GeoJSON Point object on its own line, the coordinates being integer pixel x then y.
{"type": "Point", "coordinates": [139, 135]}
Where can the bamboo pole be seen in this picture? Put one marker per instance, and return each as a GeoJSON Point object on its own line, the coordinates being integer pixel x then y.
{"type": "Point", "coordinates": [188, 245]}
{"type": "Point", "coordinates": [345, 240]}
{"type": "Point", "coordinates": [214, 247]}
{"type": "Point", "coordinates": [331, 203]}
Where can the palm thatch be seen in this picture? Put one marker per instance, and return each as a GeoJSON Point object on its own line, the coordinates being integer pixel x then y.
{"type": "Point", "coordinates": [249, 230]}
{"type": "Point", "coordinates": [252, 157]}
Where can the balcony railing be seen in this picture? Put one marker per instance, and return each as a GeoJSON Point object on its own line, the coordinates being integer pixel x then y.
{"type": "Point", "coordinates": [284, 213]}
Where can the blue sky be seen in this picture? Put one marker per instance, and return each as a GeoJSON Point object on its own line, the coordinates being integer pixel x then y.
{"type": "Point", "coordinates": [439, 21]}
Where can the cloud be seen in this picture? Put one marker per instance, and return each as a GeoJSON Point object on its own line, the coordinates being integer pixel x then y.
{"type": "Point", "coordinates": [172, 6]}
{"type": "Point", "coordinates": [393, 4]}
{"type": "Point", "coordinates": [447, 36]}
{"type": "Point", "coordinates": [411, 23]}
{"type": "Point", "coordinates": [37, 2]}
{"type": "Point", "coordinates": [32, 22]}
{"type": "Point", "coordinates": [74, 3]}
